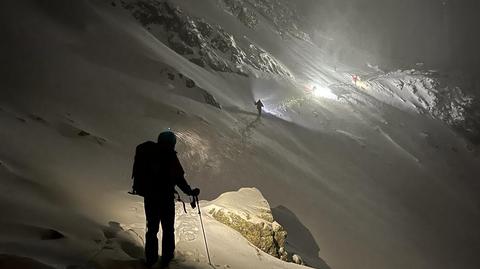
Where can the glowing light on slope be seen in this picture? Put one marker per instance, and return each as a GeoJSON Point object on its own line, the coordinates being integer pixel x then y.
{"type": "Point", "coordinates": [323, 92]}
{"type": "Point", "coordinates": [359, 83]}
{"type": "Point", "coordinates": [362, 85]}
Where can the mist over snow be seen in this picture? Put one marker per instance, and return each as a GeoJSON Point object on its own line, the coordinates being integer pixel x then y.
{"type": "Point", "coordinates": [439, 33]}
{"type": "Point", "coordinates": [366, 153]}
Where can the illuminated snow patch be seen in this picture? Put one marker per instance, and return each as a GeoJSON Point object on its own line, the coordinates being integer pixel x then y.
{"type": "Point", "coordinates": [323, 92]}
{"type": "Point", "coordinates": [269, 109]}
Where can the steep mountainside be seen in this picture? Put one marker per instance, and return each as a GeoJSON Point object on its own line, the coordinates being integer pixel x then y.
{"type": "Point", "coordinates": [360, 173]}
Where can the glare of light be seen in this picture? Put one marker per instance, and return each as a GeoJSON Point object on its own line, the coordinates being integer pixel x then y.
{"type": "Point", "coordinates": [323, 92]}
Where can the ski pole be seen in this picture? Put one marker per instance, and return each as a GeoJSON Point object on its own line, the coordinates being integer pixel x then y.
{"type": "Point", "coordinates": [203, 229]}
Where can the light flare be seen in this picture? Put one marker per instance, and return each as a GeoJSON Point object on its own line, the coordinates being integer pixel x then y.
{"type": "Point", "coordinates": [323, 92]}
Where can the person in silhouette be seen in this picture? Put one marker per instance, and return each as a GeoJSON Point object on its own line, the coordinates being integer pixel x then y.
{"type": "Point", "coordinates": [355, 79]}
{"type": "Point", "coordinates": [156, 172]}
{"type": "Point", "coordinates": [259, 105]}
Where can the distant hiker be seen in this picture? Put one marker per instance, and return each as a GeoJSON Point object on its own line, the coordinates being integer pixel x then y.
{"type": "Point", "coordinates": [156, 172]}
{"type": "Point", "coordinates": [259, 105]}
{"type": "Point", "coordinates": [355, 79]}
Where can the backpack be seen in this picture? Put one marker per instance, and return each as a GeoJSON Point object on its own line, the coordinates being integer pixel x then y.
{"type": "Point", "coordinates": [145, 167]}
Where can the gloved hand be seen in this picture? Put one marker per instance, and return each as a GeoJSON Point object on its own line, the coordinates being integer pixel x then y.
{"type": "Point", "coordinates": [195, 192]}
{"type": "Point", "coordinates": [133, 192]}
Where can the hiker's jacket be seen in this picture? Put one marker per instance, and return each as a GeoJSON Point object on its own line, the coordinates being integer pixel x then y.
{"type": "Point", "coordinates": [157, 171]}
{"type": "Point", "coordinates": [259, 104]}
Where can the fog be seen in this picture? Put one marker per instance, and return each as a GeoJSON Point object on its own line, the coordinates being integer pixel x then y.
{"type": "Point", "coordinates": [442, 34]}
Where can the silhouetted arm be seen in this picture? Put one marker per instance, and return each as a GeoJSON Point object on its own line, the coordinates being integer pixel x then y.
{"type": "Point", "coordinates": [179, 176]}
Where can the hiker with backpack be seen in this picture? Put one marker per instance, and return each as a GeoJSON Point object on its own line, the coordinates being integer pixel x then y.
{"type": "Point", "coordinates": [259, 106]}
{"type": "Point", "coordinates": [156, 172]}
{"type": "Point", "coordinates": [355, 78]}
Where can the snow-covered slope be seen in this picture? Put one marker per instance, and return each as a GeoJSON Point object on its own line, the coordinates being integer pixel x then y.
{"type": "Point", "coordinates": [371, 182]}
{"type": "Point", "coordinates": [120, 245]}
{"type": "Point", "coordinates": [227, 247]}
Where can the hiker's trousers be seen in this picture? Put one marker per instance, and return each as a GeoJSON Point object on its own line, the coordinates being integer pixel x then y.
{"type": "Point", "coordinates": [159, 211]}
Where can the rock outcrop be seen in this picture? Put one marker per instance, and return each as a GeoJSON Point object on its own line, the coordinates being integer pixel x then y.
{"type": "Point", "coordinates": [252, 219]}
{"type": "Point", "coordinates": [282, 14]}
{"type": "Point", "coordinates": [431, 93]}
{"type": "Point", "coordinates": [297, 259]}
{"type": "Point", "coordinates": [205, 44]}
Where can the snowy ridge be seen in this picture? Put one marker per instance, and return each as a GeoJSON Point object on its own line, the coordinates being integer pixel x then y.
{"type": "Point", "coordinates": [416, 90]}
{"type": "Point", "coordinates": [423, 93]}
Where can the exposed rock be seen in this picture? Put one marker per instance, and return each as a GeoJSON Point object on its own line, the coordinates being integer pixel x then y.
{"type": "Point", "coordinates": [282, 14]}
{"type": "Point", "coordinates": [432, 95]}
{"type": "Point", "coordinates": [209, 99]}
{"type": "Point", "coordinates": [244, 13]}
{"type": "Point", "coordinates": [38, 119]}
{"type": "Point", "coordinates": [297, 259]}
{"type": "Point", "coordinates": [50, 234]}
{"type": "Point", "coordinates": [83, 133]}
{"type": "Point", "coordinates": [198, 62]}
{"type": "Point", "coordinates": [189, 83]}
{"type": "Point", "coordinates": [179, 82]}
{"type": "Point", "coordinates": [459, 110]}
{"type": "Point", "coordinates": [205, 44]}
{"type": "Point", "coordinates": [255, 221]}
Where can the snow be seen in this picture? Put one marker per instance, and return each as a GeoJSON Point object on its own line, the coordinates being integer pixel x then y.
{"type": "Point", "coordinates": [227, 247]}
{"type": "Point", "coordinates": [369, 182]}
{"type": "Point", "coordinates": [236, 202]}
{"type": "Point", "coordinates": [323, 92]}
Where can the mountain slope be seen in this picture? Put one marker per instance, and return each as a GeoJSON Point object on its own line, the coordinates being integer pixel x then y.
{"type": "Point", "coordinates": [376, 184]}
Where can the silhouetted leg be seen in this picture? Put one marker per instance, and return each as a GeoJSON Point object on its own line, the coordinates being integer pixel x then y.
{"type": "Point", "coordinates": [168, 233]}
{"type": "Point", "coordinates": [152, 213]}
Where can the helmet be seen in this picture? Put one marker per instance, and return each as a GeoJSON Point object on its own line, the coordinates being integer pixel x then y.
{"type": "Point", "coordinates": [167, 138]}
